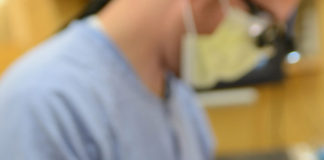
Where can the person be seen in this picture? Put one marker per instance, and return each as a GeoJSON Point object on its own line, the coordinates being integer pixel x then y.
{"type": "Point", "coordinates": [108, 87]}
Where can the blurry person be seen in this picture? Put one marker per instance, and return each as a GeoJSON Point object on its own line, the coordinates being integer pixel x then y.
{"type": "Point", "coordinates": [108, 87]}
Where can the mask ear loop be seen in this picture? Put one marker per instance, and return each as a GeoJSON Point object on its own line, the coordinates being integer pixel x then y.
{"type": "Point", "coordinates": [189, 43]}
{"type": "Point", "coordinates": [189, 55]}
{"type": "Point", "coordinates": [189, 20]}
{"type": "Point", "coordinates": [225, 5]}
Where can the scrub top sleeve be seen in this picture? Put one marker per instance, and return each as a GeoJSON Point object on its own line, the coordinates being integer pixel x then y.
{"type": "Point", "coordinates": [42, 126]}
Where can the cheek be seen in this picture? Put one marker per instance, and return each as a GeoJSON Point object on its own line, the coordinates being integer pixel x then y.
{"type": "Point", "coordinates": [208, 18]}
{"type": "Point", "coordinates": [281, 10]}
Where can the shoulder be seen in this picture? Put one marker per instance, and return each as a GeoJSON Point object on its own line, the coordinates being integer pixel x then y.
{"type": "Point", "coordinates": [66, 65]}
{"type": "Point", "coordinates": [65, 59]}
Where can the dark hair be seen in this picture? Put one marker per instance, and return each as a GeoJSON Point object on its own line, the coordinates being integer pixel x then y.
{"type": "Point", "coordinates": [93, 7]}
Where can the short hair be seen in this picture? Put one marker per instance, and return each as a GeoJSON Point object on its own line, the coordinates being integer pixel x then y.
{"type": "Point", "coordinates": [93, 7]}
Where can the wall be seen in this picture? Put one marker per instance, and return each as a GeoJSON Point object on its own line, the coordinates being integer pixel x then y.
{"type": "Point", "coordinates": [24, 23]}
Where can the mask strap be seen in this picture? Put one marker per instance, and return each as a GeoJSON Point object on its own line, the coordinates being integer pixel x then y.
{"type": "Point", "coordinates": [225, 5]}
{"type": "Point", "coordinates": [189, 20]}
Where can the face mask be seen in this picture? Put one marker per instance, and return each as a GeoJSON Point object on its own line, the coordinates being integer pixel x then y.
{"type": "Point", "coordinates": [227, 54]}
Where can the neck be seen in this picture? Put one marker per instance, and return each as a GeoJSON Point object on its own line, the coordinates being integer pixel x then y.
{"type": "Point", "coordinates": [136, 29]}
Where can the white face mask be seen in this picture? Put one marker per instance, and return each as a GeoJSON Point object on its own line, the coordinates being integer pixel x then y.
{"type": "Point", "coordinates": [227, 54]}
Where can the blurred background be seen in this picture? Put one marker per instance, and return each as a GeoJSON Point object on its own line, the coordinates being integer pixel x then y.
{"type": "Point", "coordinates": [274, 112]}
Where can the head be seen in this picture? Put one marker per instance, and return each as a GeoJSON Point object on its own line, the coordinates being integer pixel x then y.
{"type": "Point", "coordinates": [208, 14]}
{"type": "Point", "coordinates": [166, 17]}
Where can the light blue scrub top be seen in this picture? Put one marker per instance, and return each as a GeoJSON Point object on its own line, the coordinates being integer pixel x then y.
{"type": "Point", "coordinates": [75, 97]}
